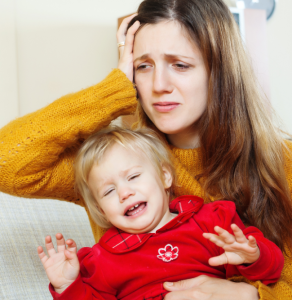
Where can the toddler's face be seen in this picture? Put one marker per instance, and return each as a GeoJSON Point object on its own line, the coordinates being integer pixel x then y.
{"type": "Point", "coordinates": [130, 192]}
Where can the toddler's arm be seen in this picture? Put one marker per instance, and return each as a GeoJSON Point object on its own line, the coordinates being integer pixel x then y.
{"type": "Point", "coordinates": [72, 276]}
{"type": "Point", "coordinates": [255, 257]}
{"type": "Point", "coordinates": [238, 249]}
{"type": "Point", "coordinates": [62, 267]}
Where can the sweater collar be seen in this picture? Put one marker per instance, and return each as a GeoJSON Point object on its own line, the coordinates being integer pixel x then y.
{"type": "Point", "coordinates": [118, 241]}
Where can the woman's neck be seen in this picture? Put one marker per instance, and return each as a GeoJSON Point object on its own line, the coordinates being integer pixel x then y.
{"type": "Point", "coordinates": [184, 140]}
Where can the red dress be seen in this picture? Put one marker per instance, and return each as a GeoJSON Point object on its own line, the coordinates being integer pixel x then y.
{"type": "Point", "coordinates": [135, 266]}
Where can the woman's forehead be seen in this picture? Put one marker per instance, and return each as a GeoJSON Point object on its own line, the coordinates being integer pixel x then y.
{"type": "Point", "coordinates": [165, 37]}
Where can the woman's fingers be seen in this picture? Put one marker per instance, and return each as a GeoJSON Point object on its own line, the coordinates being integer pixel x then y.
{"type": "Point", "coordinates": [49, 245]}
{"type": "Point", "coordinates": [127, 36]}
{"type": "Point", "coordinates": [129, 42]}
{"type": "Point", "coordinates": [122, 31]}
{"type": "Point", "coordinates": [126, 52]}
{"type": "Point", "coordinates": [61, 247]}
{"type": "Point", "coordinates": [185, 284]}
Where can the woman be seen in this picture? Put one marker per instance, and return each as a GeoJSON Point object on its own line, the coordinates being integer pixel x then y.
{"type": "Point", "coordinates": [196, 87]}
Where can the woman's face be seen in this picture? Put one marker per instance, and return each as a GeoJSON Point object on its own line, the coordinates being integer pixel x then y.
{"type": "Point", "coordinates": [171, 77]}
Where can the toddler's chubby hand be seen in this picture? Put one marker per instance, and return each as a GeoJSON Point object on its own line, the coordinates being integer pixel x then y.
{"type": "Point", "coordinates": [62, 267]}
{"type": "Point", "coordinates": [238, 249]}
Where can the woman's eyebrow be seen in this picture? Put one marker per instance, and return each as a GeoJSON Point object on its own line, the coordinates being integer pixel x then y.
{"type": "Point", "coordinates": [177, 55]}
{"type": "Point", "coordinates": [169, 56]}
{"type": "Point", "coordinates": [141, 57]}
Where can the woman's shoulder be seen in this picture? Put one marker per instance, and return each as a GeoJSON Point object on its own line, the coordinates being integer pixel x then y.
{"type": "Point", "coordinates": [288, 143]}
{"type": "Point", "coordinates": [288, 162]}
{"type": "Point", "coordinates": [288, 155]}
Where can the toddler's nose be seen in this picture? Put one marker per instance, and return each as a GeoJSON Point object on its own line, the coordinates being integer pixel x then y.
{"type": "Point", "coordinates": [125, 193]}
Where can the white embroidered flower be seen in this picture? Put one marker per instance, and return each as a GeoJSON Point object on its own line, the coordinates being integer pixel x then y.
{"type": "Point", "coordinates": [168, 253]}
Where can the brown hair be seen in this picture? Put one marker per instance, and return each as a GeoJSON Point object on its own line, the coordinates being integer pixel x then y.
{"type": "Point", "coordinates": [92, 151]}
{"type": "Point", "coordinates": [243, 153]}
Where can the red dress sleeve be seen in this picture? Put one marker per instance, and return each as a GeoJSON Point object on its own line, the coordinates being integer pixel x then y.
{"type": "Point", "coordinates": [90, 284]}
{"type": "Point", "coordinates": [269, 266]}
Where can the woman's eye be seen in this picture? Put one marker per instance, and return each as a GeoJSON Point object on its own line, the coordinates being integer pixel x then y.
{"type": "Point", "coordinates": [181, 66]}
{"type": "Point", "coordinates": [143, 67]}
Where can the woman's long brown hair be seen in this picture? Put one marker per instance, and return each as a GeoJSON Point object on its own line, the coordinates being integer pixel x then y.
{"type": "Point", "coordinates": [244, 154]}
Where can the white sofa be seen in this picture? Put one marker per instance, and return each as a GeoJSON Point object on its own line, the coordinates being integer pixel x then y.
{"type": "Point", "coordinates": [24, 225]}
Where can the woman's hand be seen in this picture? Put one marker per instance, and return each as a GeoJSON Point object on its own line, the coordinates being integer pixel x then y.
{"type": "Point", "coordinates": [126, 52]}
{"type": "Point", "coordinates": [209, 288]}
{"type": "Point", "coordinates": [62, 267]}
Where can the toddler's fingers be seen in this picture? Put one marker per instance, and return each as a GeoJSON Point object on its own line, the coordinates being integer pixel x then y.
{"type": "Point", "coordinates": [239, 236]}
{"type": "Point", "coordinates": [49, 245]}
{"type": "Point", "coordinates": [214, 239]}
{"type": "Point", "coordinates": [72, 247]}
{"type": "Point", "coordinates": [252, 242]}
{"type": "Point", "coordinates": [71, 252]}
{"type": "Point", "coordinates": [42, 255]}
{"type": "Point", "coordinates": [218, 260]}
{"type": "Point", "coordinates": [60, 242]}
{"type": "Point", "coordinates": [225, 235]}
{"type": "Point", "coordinates": [71, 244]}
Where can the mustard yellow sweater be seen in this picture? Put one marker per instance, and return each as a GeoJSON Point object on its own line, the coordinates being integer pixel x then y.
{"type": "Point", "coordinates": [37, 152]}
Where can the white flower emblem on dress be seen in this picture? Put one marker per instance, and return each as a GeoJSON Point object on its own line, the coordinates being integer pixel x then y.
{"type": "Point", "coordinates": [168, 253]}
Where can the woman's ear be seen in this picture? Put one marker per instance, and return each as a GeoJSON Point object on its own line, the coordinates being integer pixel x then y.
{"type": "Point", "coordinates": [167, 177]}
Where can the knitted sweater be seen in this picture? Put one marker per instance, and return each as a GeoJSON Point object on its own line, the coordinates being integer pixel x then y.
{"type": "Point", "coordinates": [37, 153]}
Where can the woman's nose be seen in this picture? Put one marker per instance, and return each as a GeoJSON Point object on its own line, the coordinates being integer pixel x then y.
{"type": "Point", "coordinates": [162, 80]}
{"type": "Point", "coordinates": [125, 193]}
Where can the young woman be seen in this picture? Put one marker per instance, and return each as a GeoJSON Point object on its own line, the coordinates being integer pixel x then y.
{"type": "Point", "coordinates": [195, 86]}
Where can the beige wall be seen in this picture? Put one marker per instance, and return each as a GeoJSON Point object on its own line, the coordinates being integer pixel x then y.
{"type": "Point", "coordinates": [9, 108]}
{"type": "Point", "coordinates": [50, 48]}
{"type": "Point", "coordinates": [280, 61]}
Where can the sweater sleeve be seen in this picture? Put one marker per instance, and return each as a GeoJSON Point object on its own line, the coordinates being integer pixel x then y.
{"type": "Point", "coordinates": [37, 150]}
{"type": "Point", "coordinates": [90, 284]}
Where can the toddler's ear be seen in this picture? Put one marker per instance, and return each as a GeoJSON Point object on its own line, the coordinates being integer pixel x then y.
{"type": "Point", "coordinates": [167, 177]}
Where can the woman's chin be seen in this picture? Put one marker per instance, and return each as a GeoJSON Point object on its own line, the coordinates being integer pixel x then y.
{"type": "Point", "coordinates": [169, 128]}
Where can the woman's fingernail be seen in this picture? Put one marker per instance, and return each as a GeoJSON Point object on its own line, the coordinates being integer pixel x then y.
{"type": "Point", "coordinates": [169, 283]}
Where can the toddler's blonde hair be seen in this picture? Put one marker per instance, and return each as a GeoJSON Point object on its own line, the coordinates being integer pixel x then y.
{"type": "Point", "coordinates": [92, 151]}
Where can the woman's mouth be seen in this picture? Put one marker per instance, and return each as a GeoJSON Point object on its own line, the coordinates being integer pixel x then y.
{"type": "Point", "coordinates": [165, 106]}
{"type": "Point", "coordinates": [136, 210]}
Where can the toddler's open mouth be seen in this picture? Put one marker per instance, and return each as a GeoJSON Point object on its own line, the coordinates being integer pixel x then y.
{"type": "Point", "coordinates": [135, 209]}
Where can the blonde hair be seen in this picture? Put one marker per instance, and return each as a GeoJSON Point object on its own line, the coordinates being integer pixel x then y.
{"type": "Point", "coordinates": [94, 148]}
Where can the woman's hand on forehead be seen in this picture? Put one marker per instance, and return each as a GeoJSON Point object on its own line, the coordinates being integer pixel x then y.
{"type": "Point", "coordinates": [126, 52]}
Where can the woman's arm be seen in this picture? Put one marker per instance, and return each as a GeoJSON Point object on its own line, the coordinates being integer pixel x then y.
{"type": "Point", "coordinates": [37, 150]}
